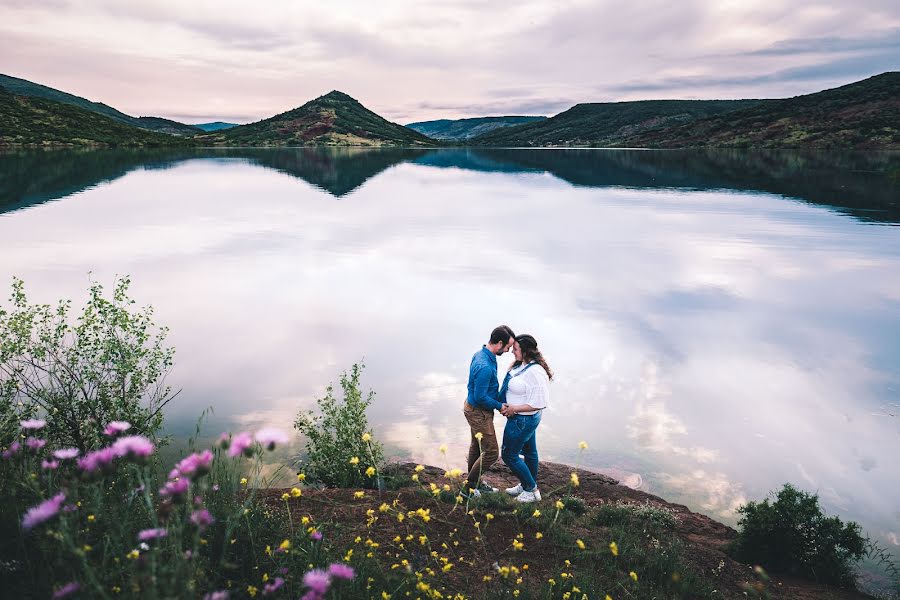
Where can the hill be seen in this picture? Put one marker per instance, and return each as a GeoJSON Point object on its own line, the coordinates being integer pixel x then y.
{"type": "Point", "coordinates": [33, 121]}
{"type": "Point", "coordinates": [334, 119]}
{"type": "Point", "coordinates": [605, 124]}
{"type": "Point", "coordinates": [23, 87]}
{"type": "Point", "coordinates": [463, 129]}
{"type": "Point", "coordinates": [865, 114]}
{"type": "Point", "coordinates": [215, 126]}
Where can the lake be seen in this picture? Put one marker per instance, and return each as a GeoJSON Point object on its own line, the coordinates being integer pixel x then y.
{"type": "Point", "coordinates": [720, 322]}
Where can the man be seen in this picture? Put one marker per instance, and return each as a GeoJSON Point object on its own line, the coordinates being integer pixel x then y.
{"type": "Point", "coordinates": [481, 402]}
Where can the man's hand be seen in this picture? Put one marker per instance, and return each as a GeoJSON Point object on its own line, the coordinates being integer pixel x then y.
{"type": "Point", "coordinates": [507, 411]}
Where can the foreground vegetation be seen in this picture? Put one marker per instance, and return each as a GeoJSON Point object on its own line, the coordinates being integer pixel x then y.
{"type": "Point", "coordinates": [88, 508]}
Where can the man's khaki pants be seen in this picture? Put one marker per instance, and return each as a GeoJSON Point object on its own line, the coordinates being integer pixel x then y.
{"type": "Point", "coordinates": [482, 454]}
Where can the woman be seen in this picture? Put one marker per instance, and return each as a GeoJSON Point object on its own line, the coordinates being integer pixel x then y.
{"type": "Point", "coordinates": [526, 393]}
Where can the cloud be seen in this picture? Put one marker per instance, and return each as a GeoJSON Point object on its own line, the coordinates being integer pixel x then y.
{"type": "Point", "coordinates": [714, 492]}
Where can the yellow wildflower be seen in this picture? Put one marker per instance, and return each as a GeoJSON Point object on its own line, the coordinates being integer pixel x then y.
{"type": "Point", "coordinates": [133, 555]}
{"type": "Point", "coordinates": [536, 514]}
{"type": "Point", "coordinates": [580, 544]}
{"type": "Point", "coordinates": [479, 435]}
{"type": "Point", "coordinates": [489, 517]}
{"type": "Point", "coordinates": [443, 448]}
{"type": "Point", "coordinates": [285, 545]}
{"type": "Point", "coordinates": [559, 505]}
{"type": "Point", "coordinates": [517, 545]}
{"type": "Point", "coordinates": [354, 460]}
{"type": "Point", "coordinates": [538, 535]}
{"type": "Point", "coordinates": [419, 468]}
{"type": "Point", "coordinates": [574, 479]}
{"type": "Point", "coordinates": [633, 575]}
{"type": "Point", "coordinates": [359, 494]}
{"type": "Point", "coordinates": [582, 445]}
{"type": "Point", "coordinates": [285, 496]}
{"type": "Point", "coordinates": [614, 548]}
{"type": "Point", "coordinates": [301, 476]}
{"type": "Point", "coordinates": [370, 472]}
{"type": "Point", "coordinates": [251, 589]}
{"type": "Point", "coordinates": [366, 437]}
{"type": "Point", "coordinates": [243, 481]}
{"type": "Point", "coordinates": [296, 492]}
{"type": "Point", "coordinates": [91, 518]}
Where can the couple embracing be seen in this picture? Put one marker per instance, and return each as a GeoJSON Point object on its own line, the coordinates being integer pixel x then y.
{"type": "Point", "coordinates": [522, 398]}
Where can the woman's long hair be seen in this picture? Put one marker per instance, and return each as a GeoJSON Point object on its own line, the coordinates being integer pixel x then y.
{"type": "Point", "coordinates": [531, 353]}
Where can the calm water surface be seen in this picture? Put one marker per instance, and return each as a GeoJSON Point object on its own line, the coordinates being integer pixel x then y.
{"type": "Point", "coordinates": [720, 323]}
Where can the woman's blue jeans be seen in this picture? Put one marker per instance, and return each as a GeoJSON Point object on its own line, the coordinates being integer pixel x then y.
{"type": "Point", "coordinates": [519, 439]}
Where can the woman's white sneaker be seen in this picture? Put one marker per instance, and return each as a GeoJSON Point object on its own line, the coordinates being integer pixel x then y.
{"type": "Point", "coordinates": [515, 491]}
{"type": "Point", "coordinates": [532, 496]}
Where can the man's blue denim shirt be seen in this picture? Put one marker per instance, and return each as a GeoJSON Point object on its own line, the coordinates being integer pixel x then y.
{"type": "Point", "coordinates": [483, 386]}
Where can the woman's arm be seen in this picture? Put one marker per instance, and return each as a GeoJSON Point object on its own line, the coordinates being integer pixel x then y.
{"type": "Point", "coordinates": [512, 409]}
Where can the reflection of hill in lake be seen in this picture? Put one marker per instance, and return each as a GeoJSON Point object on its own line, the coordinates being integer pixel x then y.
{"type": "Point", "coordinates": [864, 185]}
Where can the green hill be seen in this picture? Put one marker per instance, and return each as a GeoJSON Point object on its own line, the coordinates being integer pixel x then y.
{"type": "Point", "coordinates": [865, 114]}
{"type": "Point", "coordinates": [334, 119]}
{"type": "Point", "coordinates": [215, 126]}
{"type": "Point", "coordinates": [23, 87]}
{"type": "Point", "coordinates": [605, 124]}
{"type": "Point", "coordinates": [32, 121]}
{"type": "Point", "coordinates": [464, 129]}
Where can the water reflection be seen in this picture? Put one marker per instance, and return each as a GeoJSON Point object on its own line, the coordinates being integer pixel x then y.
{"type": "Point", "coordinates": [866, 185]}
{"type": "Point", "coordinates": [709, 345]}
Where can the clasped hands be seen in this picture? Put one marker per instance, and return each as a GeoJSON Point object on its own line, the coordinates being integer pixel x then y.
{"type": "Point", "coordinates": [507, 410]}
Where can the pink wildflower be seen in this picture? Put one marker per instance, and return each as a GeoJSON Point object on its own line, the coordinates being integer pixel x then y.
{"type": "Point", "coordinates": [66, 590]}
{"type": "Point", "coordinates": [273, 586]}
{"type": "Point", "coordinates": [341, 571]}
{"type": "Point", "coordinates": [318, 581]}
{"type": "Point", "coordinates": [316, 536]}
{"type": "Point", "coordinates": [201, 518]}
{"type": "Point", "coordinates": [133, 446]}
{"type": "Point", "coordinates": [151, 534]}
{"type": "Point", "coordinates": [12, 450]}
{"type": "Point", "coordinates": [115, 428]}
{"type": "Point", "coordinates": [269, 437]}
{"type": "Point", "coordinates": [44, 511]}
{"type": "Point", "coordinates": [66, 453]}
{"type": "Point", "coordinates": [175, 489]}
{"type": "Point", "coordinates": [242, 443]}
{"type": "Point", "coordinates": [218, 595]}
{"type": "Point", "coordinates": [49, 465]}
{"type": "Point", "coordinates": [33, 424]}
{"type": "Point", "coordinates": [34, 444]}
{"type": "Point", "coordinates": [98, 459]}
{"type": "Point", "coordinates": [224, 440]}
{"type": "Point", "coordinates": [194, 465]}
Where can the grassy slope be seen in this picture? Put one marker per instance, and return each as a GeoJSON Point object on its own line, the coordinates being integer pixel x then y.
{"type": "Point", "coordinates": [463, 129]}
{"type": "Point", "coordinates": [31, 121]}
{"type": "Point", "coordinates": [23, 87]}
{"type": "Point", "coordinates": [603, 124]}
{"type": "Point", "coordinates": [865, 114]}
{"type": "Point", "coordinates": [334, 119]}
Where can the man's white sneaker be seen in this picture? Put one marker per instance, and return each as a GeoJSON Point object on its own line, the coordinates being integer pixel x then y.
{"type": "Point", "coordinates": [527, 497]}
{"type": "Point", "coordinates": [515, 491]}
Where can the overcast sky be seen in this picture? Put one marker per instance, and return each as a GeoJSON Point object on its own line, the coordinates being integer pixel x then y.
{"type": "Point", "coordinates": [241, 61]}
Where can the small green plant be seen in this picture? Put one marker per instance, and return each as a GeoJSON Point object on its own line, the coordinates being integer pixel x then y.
{"type": "Point", "coordinates": [108, 365]}
{"type": "Point", "coordinates": [792, 535]}
{"type": "Point", "coordinates": [574, 504]}
{"type": "Point", "coordinates": [340, 449]}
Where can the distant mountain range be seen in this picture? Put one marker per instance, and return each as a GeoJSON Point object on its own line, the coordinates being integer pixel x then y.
{"type": "Point", "coordinates": [215, 126]}
{"type": "Point", "coordinates": [464, 129]}
{"type": "Point", "coordinates": [865, 114]}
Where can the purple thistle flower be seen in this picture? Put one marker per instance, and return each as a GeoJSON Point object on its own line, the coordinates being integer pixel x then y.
{"type": "Point", "coordinates": [341, 571]}
{"type": "Point", "coordinates": [116, 428]}
{"type": "Point", "coordinates": [195, 464]}
{"type": "Point", "coordinates": [271, 588]}
{"type": "Point", "coordinates": [66, 453]}
{"type": "Point", "coordinates": [317, 580]}
{"type": "Point", "coordinates": [12, 450]}
{"type": "Point", "coordinates": [268, 437]}
{"type": "Point", "coordinates": [98, 459]}
{"type": "Point", "coordinates": [34, 444]}
{"type": "Point", "coordinates": [49, 465]}
{"type": "Point", "coordinates": [66, 590]}
{"type": "Point", "coordinates": [218, 595]}
{"type": "Point", "coordinates": [44, 511]}
{"type": "Point", "coordinates": [33, 424]}
{"type": "Point", "coordinates": [311, 595]}
{"type": "Point", "coordinates": [224, 440]}
{"type": "Point", "coordinates": [316, 536]}
{"type": "Point", "coordinates": [151, 534]}
{"type": "Point", "coordinates": [175, 488]}
{"type": "Point", "coordinates": [242, 443]}
{"type": "Point", "coordinates": [133, 446]}
{"type": "Point", "coordinates": [201, 518]}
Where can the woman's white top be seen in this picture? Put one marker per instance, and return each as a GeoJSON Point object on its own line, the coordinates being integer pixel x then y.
{"type": "Point", "coordinates": [528, 386]}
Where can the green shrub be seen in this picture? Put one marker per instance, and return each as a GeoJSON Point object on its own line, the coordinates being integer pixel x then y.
{"type": "Point", "coordinates": [574, 504]}
{"type": "Point", "coordinates": [339, 445]}
{"type": "Point", "coordinates": [109, 365]}
{"type": "Point", "coordinates": [792, 535]}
